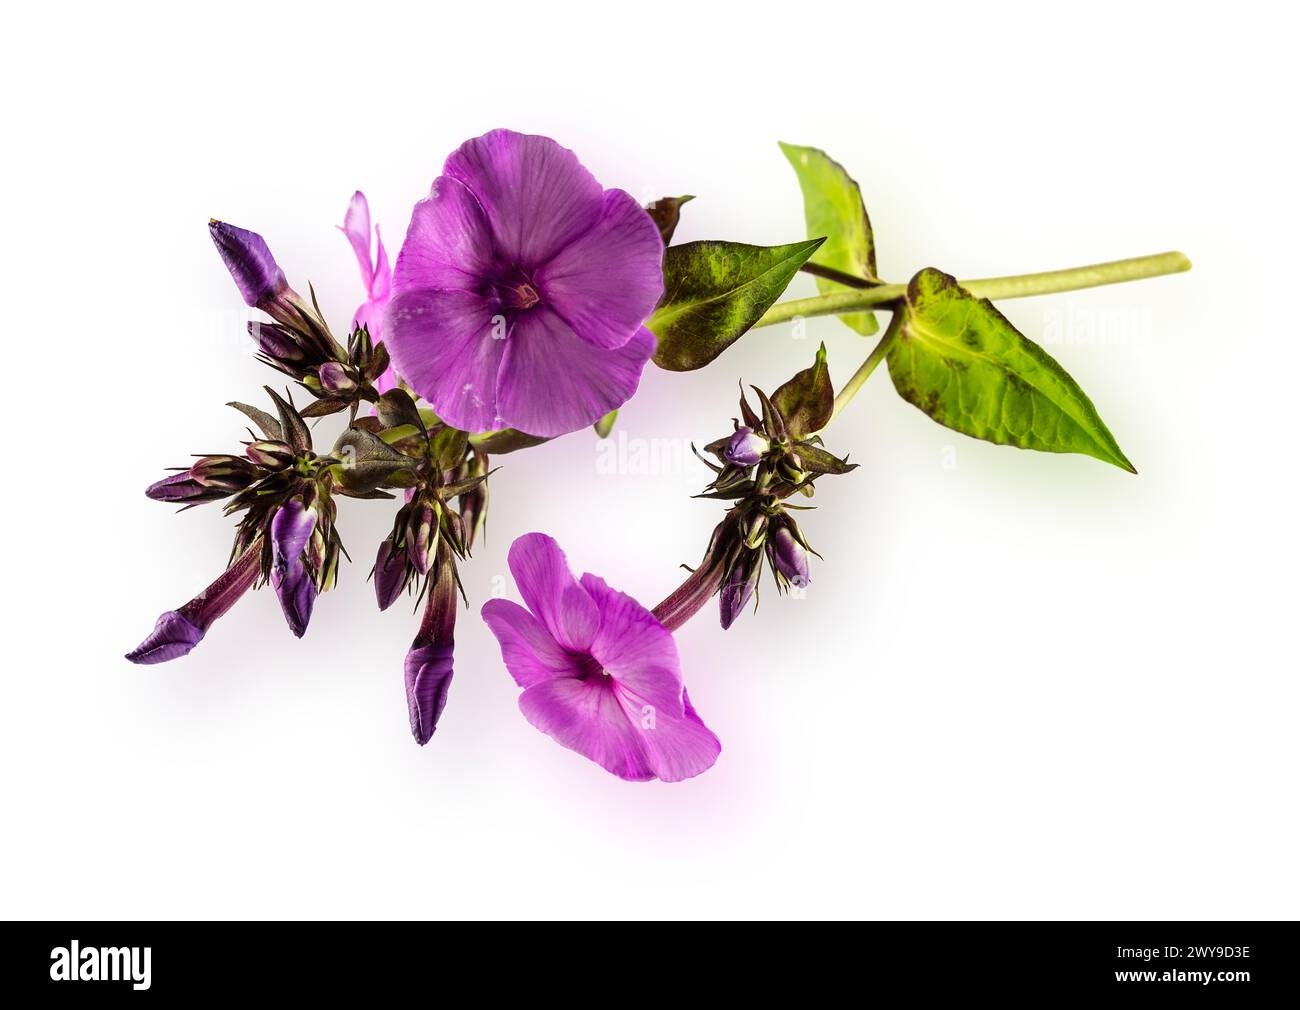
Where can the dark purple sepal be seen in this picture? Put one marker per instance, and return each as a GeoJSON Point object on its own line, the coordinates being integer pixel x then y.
{"type": "Point", "coordinates": [172, 637]}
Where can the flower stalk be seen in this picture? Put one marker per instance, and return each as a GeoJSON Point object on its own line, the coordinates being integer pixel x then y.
{"type": "Point", "coordinates": [885, 296]}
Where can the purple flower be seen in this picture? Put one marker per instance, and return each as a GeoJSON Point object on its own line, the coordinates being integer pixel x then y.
{"type": "Point", "coordinates": [789, 557]}
{"type": "Point", "coordinates": [249, 260]}
{"type": "Point", "coordinates": [745, 448]}
{"type": "Point", "coordinates": [179, 631]}
{"type": "Point", "coordinates": [376, 276]}
{"type": "Point", "coordinates": [291, 531]}
{"type": "Point", "coordinates": [521, 288]}
{"type": "Point", "coordinates": [600, 674]}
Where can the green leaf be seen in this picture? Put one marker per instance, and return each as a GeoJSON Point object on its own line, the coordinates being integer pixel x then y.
{"type": "Point", "coordinates": [714, 292]}
{"type": "Point", "coordinates": [832, 206]}
{"type": "Point", "coordinates": [806, 401]}
{"type": "Point", "coordinates": [606, 424]}
{"type": "Point", "coordinates": [504, 440]}
{"type": "Point", "coordinates": [666, 212]}
{"type": "Point", "coordinates": [958, 358]}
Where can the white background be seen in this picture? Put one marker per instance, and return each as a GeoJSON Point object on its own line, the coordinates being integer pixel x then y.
{"type": "Point", "coordinates": [1022, 685]}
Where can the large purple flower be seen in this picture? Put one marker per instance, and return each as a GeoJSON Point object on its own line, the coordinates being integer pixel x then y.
{"type": "Point", "coordinates": [599, 673]}
{"type": "Point", "coordinates": [520, 290]}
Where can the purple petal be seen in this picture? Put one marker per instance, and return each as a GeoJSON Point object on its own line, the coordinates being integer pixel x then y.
{"type": "Point", "coordinates": [370, 314]}
{"type": "Point", "coordinates": [678, 748]}
{"type": "Point", "coordinates": [291, 529]}
{"type": "Point", "coordinates": [536, 195]}
{"type": "Point", "coordinates": [249, 261]}
{"type": "Point", "coordinates": [428, 677]}
{"type": "Point", "coordinates": [172, 637]}
{"type": "Point", "coordinates": [448, 244]}
{"type": "Point", "coordinates": [552, 382]}
{"type": "Point", "coordinates": [552, 593]}
{"type": "Point", "coordinates": [633, 648]}
{"type": "Point", "coordinates": [356, 226]}
{"type": "Point", "coordinates": [444, 344]}
{"type": "Point", "coordinates": [381, 285]}
{"type": "Point", "coordinates": [607, 281]}
{"type": "Point", "coordinates": [528, 650]}
{"type": "Point", "coordinates": [587, 716]}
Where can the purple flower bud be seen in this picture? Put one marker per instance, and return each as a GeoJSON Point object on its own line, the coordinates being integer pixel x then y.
{"type": "Point", "coordinates": [172, 637]}
{"type": "Point", "coordinates": [428, 677]}
{"type": "Point", "coordinates": [270, 453]}
{"type": "Point", "coordinates": [745, 448]}
{"type": "Point", "coordinates": [178, 631]}
{"type": "Point", "coordinates": [182, 487]}
{"type": "Point", "coordinates": [291, 530]}
{"type": "Point", "coordinates": [739, 586]}
{"type": "Point", "coordinates": [334, 379]}
{"type": "Point", "coordinates": [226, 474]}
{"type": "Point", "coordinates": [428, 666]}
{"type": "Point", "coordinates": [789, 557]}
{"type": "Point", "coordinates": [421, 536]}
{"type": "Point", "coordinates": [390, 574]}
{"type": "Point", "coordinates": [279, 343]}
{"type": "Point", "coordinates": [245, 253]}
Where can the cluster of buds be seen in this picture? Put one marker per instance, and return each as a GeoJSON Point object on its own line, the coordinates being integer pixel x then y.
{"type": "Point", "coordinates": [773, 454]}
{"type": "Point", "coordinates": [284, 492]}
{"type": "Point", "coordinates": [445, 481]}
{"type": "Point", "coordinates": [299, 342]}
{"type": "Point", "coordinates": [286, 536]}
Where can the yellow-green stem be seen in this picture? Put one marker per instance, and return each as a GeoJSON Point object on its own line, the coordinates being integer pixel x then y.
{"type": "Point", "coordinates": [1019, 286]}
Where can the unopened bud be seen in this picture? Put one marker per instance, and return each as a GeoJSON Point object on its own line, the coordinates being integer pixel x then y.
{"type": "Point", "coordinates": [745, 448]}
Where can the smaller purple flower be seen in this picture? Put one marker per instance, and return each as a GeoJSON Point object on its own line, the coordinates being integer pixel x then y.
{"type": "Point", "coordinates": [600, 674]}
{"type": "Point", "coordinates": [249, 260]}
{"type": "Point", "coordinates": [376, 276]}
{"type": "Point", "coordinates": [790, 557]}
{"type": "Point", "coordinates": [745, 448]}
{"type": "Point", "coordinates": [291, 531]}
{"type": "Point", "coordinates": [178, 631]}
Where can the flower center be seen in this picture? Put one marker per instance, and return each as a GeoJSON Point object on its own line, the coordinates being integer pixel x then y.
{"type": "Point", "coordinates": [591, 667]}
{"type": "Point", "coordinates": [516, 290]}
{"type": "Point", "coordinates": [523, 296]}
